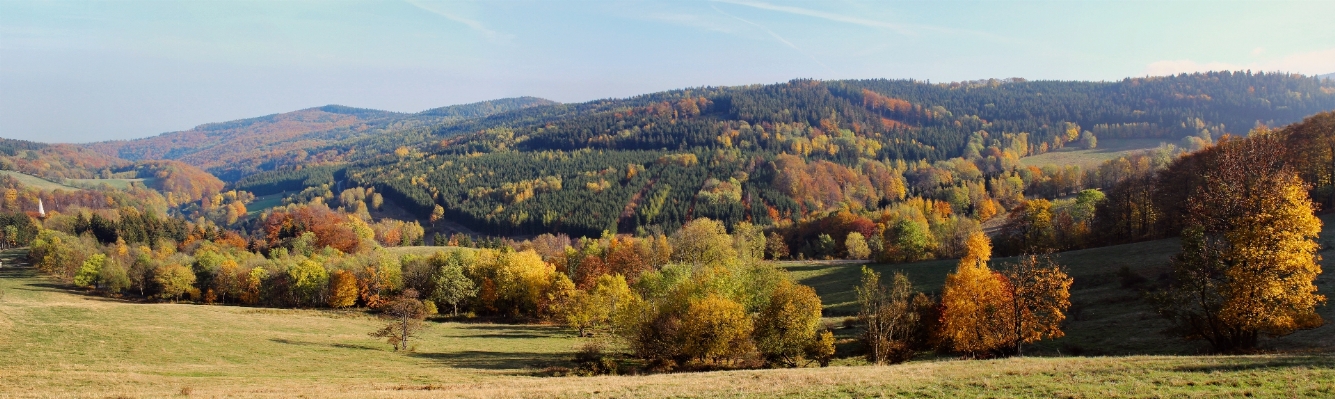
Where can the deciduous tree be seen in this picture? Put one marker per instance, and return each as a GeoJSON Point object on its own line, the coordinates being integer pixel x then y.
{"type": "Point", "coordinates": [975, 311]}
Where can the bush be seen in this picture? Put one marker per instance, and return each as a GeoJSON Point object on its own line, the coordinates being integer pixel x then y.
{"type": "Point", "coordinates": [591, 359]}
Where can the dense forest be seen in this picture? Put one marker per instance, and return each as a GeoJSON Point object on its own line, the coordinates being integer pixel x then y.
{"type": "Point", "coordinates": [799, 149]}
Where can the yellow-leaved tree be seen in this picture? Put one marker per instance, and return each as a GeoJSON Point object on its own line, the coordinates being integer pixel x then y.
{"type": "Point", "coordinates": [975, 306]}
{"type": "Point", "coordinates": [1248, 262]}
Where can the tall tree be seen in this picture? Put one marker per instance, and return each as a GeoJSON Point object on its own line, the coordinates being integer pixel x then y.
{"type": "Point", "coordinates": [975, 305]}
{"type": "Point", "coordinates": [1248, 261]}
{"type": "Point", "coordinates": [1039, 293]}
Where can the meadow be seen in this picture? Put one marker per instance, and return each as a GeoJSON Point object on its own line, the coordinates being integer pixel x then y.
{"type": "Point", "coordinates": [119, 184]}
{"type": "Point", "coordinates": [36, 182]}
{"type": "Point", "coordinates": [1087, 159]}
{"type": "Point", "coordinates": [58, 342]}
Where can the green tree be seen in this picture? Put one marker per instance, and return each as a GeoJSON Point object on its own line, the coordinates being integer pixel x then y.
{"type": "Point", "coordinates": [856, 246]}
{"type": "Point", "coordinates": [92, 267]}
{"type": "Point", "coordinates": [113, 278]}
{"type": "Point", "coordinates": [175, 280]}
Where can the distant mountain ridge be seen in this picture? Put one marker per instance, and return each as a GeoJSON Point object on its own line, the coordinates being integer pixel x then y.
{"type": "Point", "coordinates": [233, 148]}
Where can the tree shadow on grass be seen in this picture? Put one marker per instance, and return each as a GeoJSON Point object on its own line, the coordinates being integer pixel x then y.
{"type": "Point", "coordinates": [1234, 364]}
{"type": "Point", "coordinates": [485, 360]}
{"type": "Point", "coordinates": [515, 331]}
{"type": "Point", "coordinates": [341, 346]}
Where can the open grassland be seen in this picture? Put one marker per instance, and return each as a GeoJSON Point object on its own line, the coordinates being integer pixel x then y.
{"type": "Point", "coordinates": [423, 250]}
{"type": "Point", "coordinates": [263, 203]}
{"type": "Point", "coordinates": [36, 182]}
{"type": "Point", "coordinates": [120, 184]}
{"type": "Point", "coordinates": [60, 343]}
{"type": "Point", "coordinates": [1086, 159]}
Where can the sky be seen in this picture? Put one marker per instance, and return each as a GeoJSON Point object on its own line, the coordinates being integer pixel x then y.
{"type": "Point", "coordinates": [74, 71]}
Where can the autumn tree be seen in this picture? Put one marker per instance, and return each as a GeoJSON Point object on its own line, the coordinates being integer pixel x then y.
{"type": "Point", "coordinates": [703, 242]}
{"type": "Point", "coordinates": [405, 315]}
{"type": "Point", "coordinates": [715, 330]}
{"type": "Point", "coordinates": [1038, 293]}
{"type": "Point", "coordinates": [593, 310]}
{"type": "Point", "coordinates": [1248, 261]}
{"type": "Point", "coordinates": [890, 317]}
{"type": "Point", "coordinates": [788, 324]}
{"type": "Point", "coordinates": [975, 307]}
{"type": "Point", "coordinates": [175, 280]}
{"type": "Point", "coordinates": [775, 246]}
{"type": "Point", "coordinates": [856, 245]}
{"type": "Point", "coordinates": [342, 289]}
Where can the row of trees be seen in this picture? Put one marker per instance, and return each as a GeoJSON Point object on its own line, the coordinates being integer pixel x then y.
{"type": "Point", "coordinates": [981, 312]}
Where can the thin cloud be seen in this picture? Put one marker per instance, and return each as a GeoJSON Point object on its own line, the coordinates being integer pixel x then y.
{"type": "Point", "coordinates": [473, 24]}
{"type": "Point", "coordinates": [902, 29]}
{"type": "Point", "coordinates": [776, 37]}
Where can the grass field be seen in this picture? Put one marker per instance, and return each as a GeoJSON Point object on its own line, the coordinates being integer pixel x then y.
{"type": "Point", "coordinates": [121, 184]}
{"type": "Point", "coordinates": [60, 343]}
{"type": "Point", "coordinates": [421, 250]}
{"type": "Point", "coordinates": [36, 182]}
{"type": "Point", "coordinates": [263, 203]}
{"type": "Point", "coordinates": [1106, 150]}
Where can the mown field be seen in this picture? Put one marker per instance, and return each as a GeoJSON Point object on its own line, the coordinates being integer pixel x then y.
{"type": "Point", "coordinates": [264, 203]}
{"type": "Point", "coordinates": [1086, 159]}
{"type": "Point", "coordinates": [36, 182]}
{"type": "Point", "coordinates": [119, 184]}
{"type": "Point", "coordinates": [61, 343]}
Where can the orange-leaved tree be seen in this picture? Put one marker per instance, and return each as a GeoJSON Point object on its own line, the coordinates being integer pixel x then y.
{"type": "Point", "coordinates": [975, 305]}
{"type": "Point", "coordinates": [1038, 292]}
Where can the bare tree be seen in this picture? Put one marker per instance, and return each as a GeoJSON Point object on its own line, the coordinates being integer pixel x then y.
{"type": "Point", "coordinates": [405, 316]}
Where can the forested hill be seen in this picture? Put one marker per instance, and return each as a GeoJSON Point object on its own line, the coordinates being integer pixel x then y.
{"type": "Point", "coordinates": [234, 149]}
{"type": "Point", "coordinates": [766, 153]}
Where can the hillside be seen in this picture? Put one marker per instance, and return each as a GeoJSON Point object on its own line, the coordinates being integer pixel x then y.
{"type": "Point", "coordinates": [655, 161]}
{"type": "Point", "coordinates": [134, 349]}
{"type": "Point", "coordinates": [55, 161]}
{"type": "Point", "coordinates": [232, 149]}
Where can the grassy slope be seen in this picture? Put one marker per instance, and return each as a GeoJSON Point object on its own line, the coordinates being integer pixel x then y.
{"type": "Point", "coordinates": [58, 343]}
{"type": "Point", "coordinates": [121, 184]}
{"type": "Point", "coordinates": [37, 182]}
{"type": "Point", "coordinates": [1086, 159]}
{"type": "Point", "coordinates": [263, 203]}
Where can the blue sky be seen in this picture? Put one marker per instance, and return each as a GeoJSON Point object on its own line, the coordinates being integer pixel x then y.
{"type": "Point", "coordinates": [90, 71]}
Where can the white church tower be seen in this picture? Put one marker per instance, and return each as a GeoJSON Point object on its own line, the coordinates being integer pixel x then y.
{"type": "Point", "coordinates": [41, 212]}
